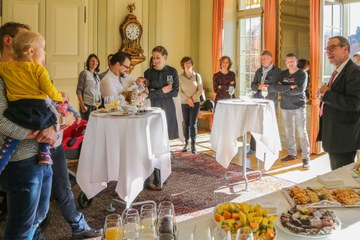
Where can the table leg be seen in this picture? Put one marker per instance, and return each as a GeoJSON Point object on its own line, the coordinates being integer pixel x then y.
{"type": "Point", "coordinates": [244, 173]}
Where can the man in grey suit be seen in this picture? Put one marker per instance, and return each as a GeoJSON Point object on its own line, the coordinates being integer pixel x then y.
{"type": "Point", "coordinates": [340, 105]}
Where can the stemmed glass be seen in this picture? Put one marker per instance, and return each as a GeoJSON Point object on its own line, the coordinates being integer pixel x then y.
{"type": "Point", "coordinates": [97, 101]}
{"type": "Point", "coordinates": [264, 92]}
{"type": "Point", "coordinates": [116, 102]}
{"type": "Point", "coordinates": [169, 80]}
{"type": "Point", "coordinates": [244, 234]}
{"type": "Point", "coordinates": [109, 103]}
{"type": "Point", "coordinates": [231, 90]}
{"type": "Point", "coordinates": [113, 227]}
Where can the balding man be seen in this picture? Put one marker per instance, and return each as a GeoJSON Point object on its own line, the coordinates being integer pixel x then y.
{"type": "Point", "coordinates": [340, 106]}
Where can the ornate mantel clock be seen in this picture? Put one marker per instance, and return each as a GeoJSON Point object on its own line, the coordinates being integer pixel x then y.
{"type": "Point", "coordinates": [131, 32]}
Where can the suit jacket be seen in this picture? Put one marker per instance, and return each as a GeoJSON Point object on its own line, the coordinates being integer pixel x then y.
{"type": "Point", "coordinates": [340, 123]}
{"type": "Point", "coordinates": [272, 78]}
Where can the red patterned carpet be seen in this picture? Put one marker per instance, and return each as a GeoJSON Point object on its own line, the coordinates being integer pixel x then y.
{"type": "Point", "coordinates": [196, 183]}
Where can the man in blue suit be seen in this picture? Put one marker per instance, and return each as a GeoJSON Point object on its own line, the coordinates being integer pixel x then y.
{"type": "Point", "coordinates": [340, 105]}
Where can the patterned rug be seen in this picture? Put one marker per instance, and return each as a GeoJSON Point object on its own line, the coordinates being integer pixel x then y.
{"type": "Point", "coordinates": [196, 185]}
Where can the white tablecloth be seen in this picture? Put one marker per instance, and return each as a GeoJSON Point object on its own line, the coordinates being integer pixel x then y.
{"type": "Point", "coordinates": [235, 117]}
{"type": "Point", "coordinates": [349, 217]}
{"type": "Point", "coordinates": [124, 149]}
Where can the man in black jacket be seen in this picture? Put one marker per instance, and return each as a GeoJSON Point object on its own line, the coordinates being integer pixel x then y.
{"type": "Point", "coordinates": [340, 105]}
{"type": "Point", "coordinates": [266, 76]}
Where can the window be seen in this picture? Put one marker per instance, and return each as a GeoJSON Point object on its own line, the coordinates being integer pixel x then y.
{"type": "Point", "coordinates": [249, 41]}
{"type": "Point", "coordinates": [250, 49]}
{"type": "Point", "coordinates": [248, 4]}
{"type": "Point", "coordinates": [333, 25]}
{"type": "Point", "coordinates": [354, 28]}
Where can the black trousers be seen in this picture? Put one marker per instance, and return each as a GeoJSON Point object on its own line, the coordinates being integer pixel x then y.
{"type": "Point", "coordinates": [338, 160]}
{"type": "Point", "coordinates": [85, 115]}
{"type": "Point", "coordinates": [190, 119]}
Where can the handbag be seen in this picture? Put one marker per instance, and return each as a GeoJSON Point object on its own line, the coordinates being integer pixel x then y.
{"type": "Point", "coordinates": [202, 96]}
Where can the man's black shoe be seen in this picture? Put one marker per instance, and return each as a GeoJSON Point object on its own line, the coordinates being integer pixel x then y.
{"type": "Point", "coordinates": [87, 233]}
{"type": "Point", "coordinates": [289, 158]}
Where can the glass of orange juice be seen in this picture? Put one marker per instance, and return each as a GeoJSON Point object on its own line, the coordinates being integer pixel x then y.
{"type": "Point", "coordinates": [116, 102]}
{"type": "Point", "coordinates": [113, 227]}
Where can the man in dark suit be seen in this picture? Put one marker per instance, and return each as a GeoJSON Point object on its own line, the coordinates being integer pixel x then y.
{"type": "Point", "coordinates": [267, 76]}
{"type": "Point", "coordinates": [340, 105]}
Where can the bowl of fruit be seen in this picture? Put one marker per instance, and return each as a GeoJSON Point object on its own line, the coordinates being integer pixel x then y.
{"type": "Point", "coordinates": [233, 216]}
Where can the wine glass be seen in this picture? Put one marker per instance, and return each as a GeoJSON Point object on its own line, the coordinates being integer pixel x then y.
{"type": "Point", "coordinates": [116, 102]}
{"type": "Point", "coordinates": [231, 90]}
{"type": "Point", "coordinates": [97, 101]}
{"type": "Point", "coordinates": [131, 223]}
{"type": "Point", "coordinates": [148, 225]}
{"type": "Point", "coordinates": [245, 234]}
{"type": "Point", "coordinates": [109, 102]}
{"type": "Point", "coordinates": [169, 80]}
{"type": "Point", "coordinates": [264, 92]}
{"type": "Point", "coordinates": [113, 227]}
{"type": "Point", "coordinates": [166, 221]}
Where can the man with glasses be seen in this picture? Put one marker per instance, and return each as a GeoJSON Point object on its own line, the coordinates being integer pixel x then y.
{"type": "Point", "coordinates": [112, 84]}
{"type": "Point", "coordinates": [356, 58]}
{"type": "Point", "coordinates": [340, 105]}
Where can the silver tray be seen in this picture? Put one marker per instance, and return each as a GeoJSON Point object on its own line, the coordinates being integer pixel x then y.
{"type": "Point", "coordinates": [322, 203]}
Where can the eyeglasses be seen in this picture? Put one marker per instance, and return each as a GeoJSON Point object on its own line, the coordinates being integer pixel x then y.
{"type": "Point", "coordinates": [127, 67]}
{"type": "Point", "coordinates": [331, 48]}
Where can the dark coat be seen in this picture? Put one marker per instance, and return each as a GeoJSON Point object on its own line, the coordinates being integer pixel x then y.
{"type": "Point", "coordinates": [272, 78]}
{"type": "Point", "coordinates": [340, 123]}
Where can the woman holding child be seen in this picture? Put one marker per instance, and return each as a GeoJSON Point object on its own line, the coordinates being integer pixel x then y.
{"type": "Point", "coordinates": [190, 91]}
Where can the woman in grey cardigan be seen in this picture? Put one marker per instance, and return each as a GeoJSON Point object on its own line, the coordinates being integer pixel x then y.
{"type": "Point", "coordinates": [190, 90]}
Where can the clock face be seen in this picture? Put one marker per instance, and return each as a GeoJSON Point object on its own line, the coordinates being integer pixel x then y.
{"type": "Point", "coordinates": [132, 31]}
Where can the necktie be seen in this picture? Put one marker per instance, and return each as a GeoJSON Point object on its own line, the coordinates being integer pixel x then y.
{"type": "Point", "coordinates": [332, 77]}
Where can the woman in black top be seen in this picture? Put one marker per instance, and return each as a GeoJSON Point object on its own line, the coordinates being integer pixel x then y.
{"type": "Point", "coordinates": [163, 86]}
{"type": "Point", "coordinates": [223, 79]}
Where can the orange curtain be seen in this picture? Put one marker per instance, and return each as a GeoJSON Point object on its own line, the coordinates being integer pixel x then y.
{"type": "Point", "coordinates": [314, 71]}
{"type": "Point", "coordinates": [217, 28]}
{"type": "Point", "coordinates": [270, 26]}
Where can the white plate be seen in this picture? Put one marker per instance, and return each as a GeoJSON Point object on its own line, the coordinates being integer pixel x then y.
{"type": "Point", "coordinates": [320, 236]}
{"type": "Point", "coordinates": [117, 113]}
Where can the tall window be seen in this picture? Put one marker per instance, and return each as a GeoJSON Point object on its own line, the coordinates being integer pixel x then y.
{"type": "Point", "coordinates": [249, 41]}
{"type": "Point", "coordinates": [333, 25]}
{"type": "Point", "coordinates": [353, 31]}
{"type": "Point", "coordinates": [250, 48]}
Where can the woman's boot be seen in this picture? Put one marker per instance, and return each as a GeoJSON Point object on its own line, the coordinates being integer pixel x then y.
{"type": "Point", "coordinates": [193, 145]}
{"type": "Point", "coordinates": [186, 147]}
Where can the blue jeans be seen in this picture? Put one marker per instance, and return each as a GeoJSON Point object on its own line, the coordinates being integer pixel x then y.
{"type": "Point", "coordinates": [62, 192]}
{"type": "Point", "coordinates": [61, 189]}
{"type": "Point", "coordinates": [28, 187]}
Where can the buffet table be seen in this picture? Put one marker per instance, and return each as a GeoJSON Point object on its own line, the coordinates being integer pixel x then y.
{"type": "Point", "coordinates": [350, 217]}
{"type": "Point", "coordinates": [234, 118]}
{"type": "Point", "coordinates": [124, 148]}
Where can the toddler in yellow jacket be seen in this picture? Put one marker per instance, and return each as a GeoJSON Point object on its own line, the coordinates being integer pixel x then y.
{"type": "Point", "coordinates": [27, 86]}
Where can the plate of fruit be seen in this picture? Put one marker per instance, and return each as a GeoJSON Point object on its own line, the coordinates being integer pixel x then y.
{"type": "Point", "coordinates": [232, 216]}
